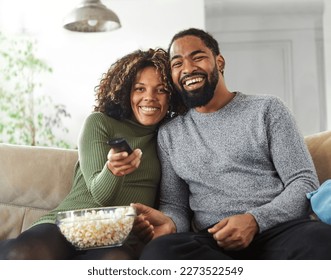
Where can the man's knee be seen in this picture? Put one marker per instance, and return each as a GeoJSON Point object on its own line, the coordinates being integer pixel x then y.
{"type": "Point", "coordinates": [315, 242]}
{"type": "Point", "coordinates": [159, 249]}
{"type": "Point", "coordinates": [183, 246]}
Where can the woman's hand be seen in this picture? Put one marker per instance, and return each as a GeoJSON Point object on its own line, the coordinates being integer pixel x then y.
{"type": "Point", "coordinates": [122, 163]}
{"type": "Point", "coordinates": [151, 223]}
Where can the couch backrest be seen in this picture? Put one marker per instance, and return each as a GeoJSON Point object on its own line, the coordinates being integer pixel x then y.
{"type": "Point", "coordinates": [33, 180]}
{"type": "Point", "coordinates": [319, 146]}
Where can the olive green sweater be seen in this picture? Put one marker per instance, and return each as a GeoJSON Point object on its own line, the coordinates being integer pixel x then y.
{"type": "Point", "coordinates": [94, 185]}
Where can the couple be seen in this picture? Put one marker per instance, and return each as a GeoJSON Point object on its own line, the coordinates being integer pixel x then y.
{"type": "Point", "coordinates": [235, 170]}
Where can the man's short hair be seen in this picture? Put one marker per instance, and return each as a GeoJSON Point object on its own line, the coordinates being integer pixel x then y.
{"type": "Point", "coordinates": [208, 40]}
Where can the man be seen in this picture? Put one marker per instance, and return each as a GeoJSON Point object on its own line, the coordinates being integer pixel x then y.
{"type": "Point", "coordinates": [235, 171]}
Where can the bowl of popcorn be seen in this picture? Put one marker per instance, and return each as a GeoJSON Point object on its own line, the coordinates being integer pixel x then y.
{"type": "Point", "coordinates": [96, 227]}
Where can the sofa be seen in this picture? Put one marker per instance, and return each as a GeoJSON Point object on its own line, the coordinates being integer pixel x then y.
{"type": "Point", "coordinates": [33, 180]}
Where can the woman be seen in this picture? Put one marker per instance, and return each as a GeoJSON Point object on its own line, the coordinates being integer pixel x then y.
{"type": "Point", "coordinates": [132, 99]}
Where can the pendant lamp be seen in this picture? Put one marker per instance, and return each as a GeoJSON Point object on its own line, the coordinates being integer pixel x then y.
{"type": "Point", "coordinates": [91, 16]}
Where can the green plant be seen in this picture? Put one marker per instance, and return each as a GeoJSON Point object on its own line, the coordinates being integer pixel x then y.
{"type": "Point", "coordinates": [27, 116]}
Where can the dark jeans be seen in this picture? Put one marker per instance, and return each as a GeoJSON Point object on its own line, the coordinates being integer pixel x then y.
{"type": "Point", "coordinates": [45, 242]}
{"type": "Point", "coordinates": [299, 239]}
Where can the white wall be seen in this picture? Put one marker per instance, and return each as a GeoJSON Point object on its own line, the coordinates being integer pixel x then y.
{"type": "Point", "coordinates": [327, 55]}
{"type": "Point", "coordinates": [275, 47]}
{"type": "Point", "coordinates": [79, 59]}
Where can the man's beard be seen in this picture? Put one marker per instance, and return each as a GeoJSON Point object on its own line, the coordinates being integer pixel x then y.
{"type": "Point", "coordinates": [201, 96]}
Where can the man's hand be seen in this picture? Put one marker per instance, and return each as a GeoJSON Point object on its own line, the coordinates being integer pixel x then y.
{"type": "Point", "coordinates": [151, 223]}
{"type": "Point", "coordinates": [235, 232]}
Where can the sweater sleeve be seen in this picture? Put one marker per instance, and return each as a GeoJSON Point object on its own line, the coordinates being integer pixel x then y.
{"type": "Point", "coordinates": [174, 192]}
{"type": "Point", "coordinates": [93, 150]}
{"type": "Point", "coordinates": [294, 166]}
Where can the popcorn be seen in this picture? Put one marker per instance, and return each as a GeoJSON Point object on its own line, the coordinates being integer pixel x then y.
{"type": "Point", "coordinates": [97, 227]}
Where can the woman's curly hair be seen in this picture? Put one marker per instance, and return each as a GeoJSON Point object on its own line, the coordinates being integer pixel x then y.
{"type": "Point", "coordinates": [113, 92]}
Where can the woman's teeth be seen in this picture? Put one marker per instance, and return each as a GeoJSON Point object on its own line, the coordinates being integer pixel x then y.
{"type": "Point", "coordinates": [148, 109]}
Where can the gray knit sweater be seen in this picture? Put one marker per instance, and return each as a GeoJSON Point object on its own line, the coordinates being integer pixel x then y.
{"type": "Point", "coordinates": [248, 157]}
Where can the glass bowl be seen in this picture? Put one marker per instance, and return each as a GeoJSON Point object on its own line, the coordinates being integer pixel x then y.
{"type": "Point", "coordinates": [96, 227]}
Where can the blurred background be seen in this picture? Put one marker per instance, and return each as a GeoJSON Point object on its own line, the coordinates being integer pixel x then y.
{"type": "Point", "coordinates": [277, 47]}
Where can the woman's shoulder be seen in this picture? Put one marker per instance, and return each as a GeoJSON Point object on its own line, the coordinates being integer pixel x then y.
{"type": "Point", "coordinates": [97, 117]}
{"type": "Point", "coordinates": [97, 120]}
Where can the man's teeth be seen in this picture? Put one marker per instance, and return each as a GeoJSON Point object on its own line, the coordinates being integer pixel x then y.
{"type": "Point", "coordinates": [149, 109]}
{"type": "Point", "coordinates": [192, 81]}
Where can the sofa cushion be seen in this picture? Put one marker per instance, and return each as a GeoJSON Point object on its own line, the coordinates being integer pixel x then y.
{"type": "Point", "coordinates": [33, 180]}
{"type": "Point", "coordinates": [319, 146]}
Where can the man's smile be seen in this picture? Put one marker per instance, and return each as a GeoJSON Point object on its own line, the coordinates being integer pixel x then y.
{"type": "Point", "coordinates": [192, 82]}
